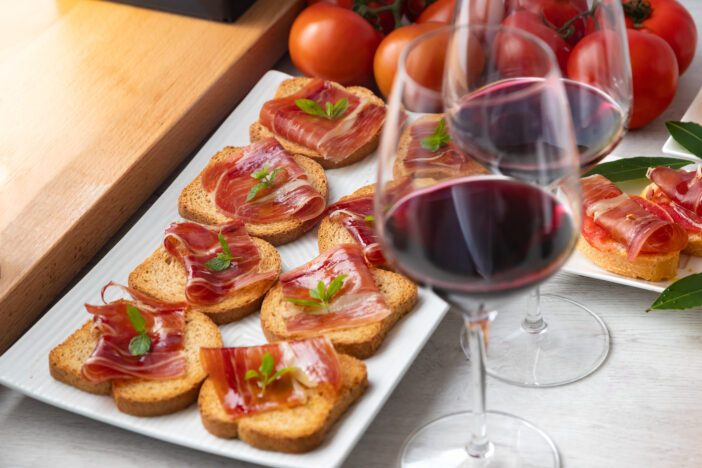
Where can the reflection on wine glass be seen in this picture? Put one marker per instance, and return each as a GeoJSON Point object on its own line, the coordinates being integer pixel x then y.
{"type": "Point", "coordinates": [558, 341]}
{"type": "Point", "coordinates": [483, 234]}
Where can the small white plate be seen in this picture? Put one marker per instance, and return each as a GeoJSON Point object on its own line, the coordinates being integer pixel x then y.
{"type": "Point", "coordinates": [24, 367]}
{"type": "Point", "coordinates": [580, 265]}
{"type": "Point", "coordinates": [693, 114]}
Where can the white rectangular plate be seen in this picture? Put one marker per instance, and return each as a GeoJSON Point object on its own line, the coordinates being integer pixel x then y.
{"type": "Point", "coordinates": [24, 367]}
{"type": "Point", "coordinates": [580, 265]}
{"type": "Point", "coordinates": [693, 114]}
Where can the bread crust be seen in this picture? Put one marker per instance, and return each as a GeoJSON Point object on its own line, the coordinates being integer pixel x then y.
{"type": "Point", "coordinates": [290, 86]}
{"type": "Point", "coordinates": [194, 203]}
{"type": "Point", "coordinates": [163, 277]}
{"type": "Point", "coordinates": [399, 171]}
{"type": "Point", "coordinates": [651, 267]}
{"type": "Point", "coordinates": [291, 430]}
{"type": "Point", "coordinates": [399, 293]}
{"type": "Point", "coordinates": [139, 397]}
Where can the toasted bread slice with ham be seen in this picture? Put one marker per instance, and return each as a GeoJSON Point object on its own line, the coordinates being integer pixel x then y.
{"type": "Point", "coordinates": [398, 292]}
{"type": "Point", "coordinates": [137, 396]}
{"type": "Point", "coordinates": [428, 170]}
{"type": "Point", "coordinates": [258, 132]}
{"type": "Point", "coordinates": [650, 267]}
{"type": "Point", "coordinates": [163, 277]}
{"type": "Point", "coordinates": [195, 204]}
{"type": "Point", "coordinates": [292, 430]}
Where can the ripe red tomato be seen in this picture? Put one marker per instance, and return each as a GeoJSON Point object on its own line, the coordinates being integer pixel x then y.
{"type": "Point", "coordinates": [414, 8]}
{"type": "Point", "coordinates": [388, 53]}
{"type": "Point", "coordinates": [668, 20]}
{"type": "Point", "coordinates": [654, 75]}
{"type": "Point", "coordinates": [589, 61]}
{"type": "Point", "coordinates": [481, 12]}
{"type": "Point", "coordinates": [555, 14]}
{"type": "Point", "coordinates": [383, 21]}
{"type": "Point", "coordinates": [335, 44]}
{"type": "Point", "coordinates": [440, 11]}
{"type": "Point", "coordinates": [532, 23]}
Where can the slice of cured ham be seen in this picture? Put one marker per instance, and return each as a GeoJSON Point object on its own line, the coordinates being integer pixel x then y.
{"type": "Point", "coordinates": [314, 359]}
{"type": "Point", "coordinates": [358, 302]}
{"type": "Point", "coordinates": [111, 359]}
{"type": "Point", "coordinates": [196, 244]}
{"type": "Point", "coordinates": [627, 222]}
{"type": "Point", "coordinates": [682, 187]}
{"type": "Point", "coordinates": [228, 184]}
{"type": "Point", "coordinates": [334, 139]}
{"type": "Point", "coordinates": [691, 221]}
{"type": "Point", "coordinates": [353, 214]}
{"type": "Point", "coordinates": [448, 156]}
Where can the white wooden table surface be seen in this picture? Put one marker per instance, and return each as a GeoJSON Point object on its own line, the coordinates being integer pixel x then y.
{"type": "Point", "coordinates": [643, 408]}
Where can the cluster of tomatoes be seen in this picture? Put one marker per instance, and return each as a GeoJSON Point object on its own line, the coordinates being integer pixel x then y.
{"type": "Point", "coordinates": [360, 41]}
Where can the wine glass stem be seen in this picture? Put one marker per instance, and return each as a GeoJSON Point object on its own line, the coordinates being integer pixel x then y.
{"type": "Point", "coordinates": [534, 321]}
{"type": "Point", "coordinates": [479, 446]}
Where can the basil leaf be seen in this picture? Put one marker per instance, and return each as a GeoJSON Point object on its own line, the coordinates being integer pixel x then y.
{"type": "Point", "coordinates": [281, 373]}
{"type": "Point", "coordinates": [267, 364]}
{"type": "Point", "coordinates": [430, 143]}
{"type": "Point", "coordinates": [139, 345]}
{"type": "Point", "coordinates": [329, 108]}
{"type": "Point", "coordinates": [261, 173]}
{"type": "Point", "coordinates": [304, 302]}
{"type": "Point", "coordinates": [254, 190]}
{"type": "Point", "coordinates": [688, 134]}
{"type": "Point", "coordinates": [634, 168]}
{"type": "Point", "coordinates": [335, 285]}
{"type": "Point", "coordinates": [223, 243]}
{"type": "Point", "coordinates": [137, 320]}
{"type": "Point", "coordinates": [252, 374]}
{"type": "Point", "coordinates": [321, 290]}
{"type": "Point", "coordinates": [369, 218]}
{"type": "Point", "coordinates": [218, 263]}
{"type": "Point", "coordinates": [339, 108]}
{"type": "Point", "coordinates": [316, 294]}
{"type": "Point", "coordinates": [273, 174]}
{"type": "Point", "coordinates": [683, 294]}
{"type": "Point", "coordinates": [311, 107]}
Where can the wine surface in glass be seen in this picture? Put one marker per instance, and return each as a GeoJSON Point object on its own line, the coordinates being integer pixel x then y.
{"type": "Point", "coordinates": [509, 134]}
{"type": "Point", "coordinates": [485, 236]}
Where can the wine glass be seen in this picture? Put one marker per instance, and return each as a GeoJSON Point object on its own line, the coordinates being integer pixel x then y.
{"type": "Point", "coordinates": [589, 40]}
{"type": "Point", "coordinates": [479, 238]}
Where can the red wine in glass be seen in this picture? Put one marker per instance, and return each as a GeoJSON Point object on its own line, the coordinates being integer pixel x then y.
{"type": "Point", "coordinates": [504, 135]}
{"type": "Point", "coordinates": [486, 237]}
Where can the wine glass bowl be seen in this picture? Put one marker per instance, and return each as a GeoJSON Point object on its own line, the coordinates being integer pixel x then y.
{"type": "Point", "coordinates": [484, 236]}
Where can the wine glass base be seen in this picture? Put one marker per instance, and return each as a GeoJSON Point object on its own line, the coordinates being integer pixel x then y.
{"type": "Point", "coordinates": [574, 344]}
{"type": "Point", "coordinates": [515, 443]}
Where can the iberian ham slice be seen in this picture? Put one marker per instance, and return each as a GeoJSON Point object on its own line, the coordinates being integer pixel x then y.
{"type": "Point", "coordinates": [357, 302]}
{"type": "Point", "coordinates": [691, 221]}
{"type": "Point", "coordinates": [354, 214]}
{"type": "Point", "coordinates": [196, 244]}
{"type": "Point", "coordinates": [448, 156]}
{"type": "Point", "coordinates": [111, 359]}
{"type": "Point", "coordinates": [314, 361]}
{"type": "Point", "coordinates": [682, 187]}
{"type": "Point", "coordinates": [334, 139]}
{"type": "Point", "coordinates": [229, 182]}
{"type": "Point", "coordinates": [627, 222]}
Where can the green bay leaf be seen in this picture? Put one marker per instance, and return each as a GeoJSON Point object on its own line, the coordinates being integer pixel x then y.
{"type": "Point", "coordinates": [688, 134]}
{"type": "Point", "coordinates": [634, 168]}
{"type": "Point", "coordinates": [685, 293]}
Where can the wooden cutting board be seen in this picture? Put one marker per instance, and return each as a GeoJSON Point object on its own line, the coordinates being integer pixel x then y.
{"type": "Point", "coordinates": [99, 102]}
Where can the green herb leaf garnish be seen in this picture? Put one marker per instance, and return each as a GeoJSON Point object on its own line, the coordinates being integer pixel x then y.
{"type": "Point", "coordinates": [330, 111]}
{"type": "Point", "coordinates": [634, 168]}
{"type": "Point", "coordinates": [439, 138]}
{"type": "Point", "coordinates": [369, 218]}
{"type": "Point", "coordinates": [688, 135]}
{"type": "Point", "coordinates": [683, 294]}
{"type": "Point", "coordinates": [222, 260]}
{"type": "Point", "coordinates": [141, 343]}
{"type": "Point", "coordinates": [267, 179]}
{"type": "Point", "coordinates": [322, 293]}
{"type": "Point", "coordinates": [264, 370]}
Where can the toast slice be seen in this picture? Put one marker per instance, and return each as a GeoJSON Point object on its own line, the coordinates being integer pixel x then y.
{"type": "Point", "coordinates": [292, 430]}
{"type": "Point", "coordinates": [651, 267]}
{"type": "Point", "coordinates": [694, 239]}
{"type": "Point", "coordinates": [163, 277]}
{"type": "Point", "coordinates": [399, 293]}
{"type": "Point", "coordinates": [195, 205]}
{"type": "Point", "coordinates": [139, 397]}
{"type": "Point", "coordinates": [258, 132]}
{"type": "Point", "coordinates": [399, 171]}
